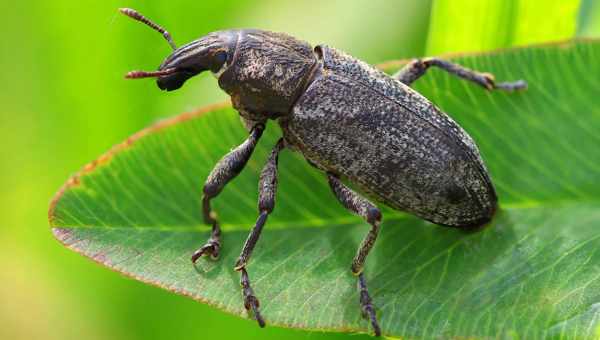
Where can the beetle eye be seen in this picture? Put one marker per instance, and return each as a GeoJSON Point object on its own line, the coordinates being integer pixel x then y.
{"type": "Point", "coordinates": [218, 60]}
{"type": "Point", "coordinates": [220, 57]}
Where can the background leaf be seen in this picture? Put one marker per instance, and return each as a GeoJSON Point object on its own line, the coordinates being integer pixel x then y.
{"type": "Point", "coordinates": [532, 273]}
{"type": "Point", "coordinates": [589, 19]}
{"type": "Point", "coordinates": [498, 23]}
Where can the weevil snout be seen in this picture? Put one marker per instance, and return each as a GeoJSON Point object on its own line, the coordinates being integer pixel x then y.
{"type": "Point", "coordinates": [211, 52]}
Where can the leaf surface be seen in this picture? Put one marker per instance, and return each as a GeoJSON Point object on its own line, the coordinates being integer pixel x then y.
{"type": "Point", "coordinates": [534, 272]}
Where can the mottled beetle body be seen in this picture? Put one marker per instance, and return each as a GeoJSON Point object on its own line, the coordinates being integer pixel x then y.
{"type": "Point", "coordinates": [395, 144]}
{"type": "Point", "coordinates": [347, 119]}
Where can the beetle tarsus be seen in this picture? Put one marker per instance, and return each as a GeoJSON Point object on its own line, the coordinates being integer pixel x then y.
{"type": "Point", "coordinates": [366, 304]}
{"type": "Point", "coordinates": [211, 248]}
{"type": "Point", "coordinates": [251, 302]}
{"type": "Point", "coordinates": [512, 86]}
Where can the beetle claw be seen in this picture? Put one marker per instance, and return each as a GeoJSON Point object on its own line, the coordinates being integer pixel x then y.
{"type": "Point", "coordinates": [512, 86]}
{"type": "Point", "coordinates": [211, 248]}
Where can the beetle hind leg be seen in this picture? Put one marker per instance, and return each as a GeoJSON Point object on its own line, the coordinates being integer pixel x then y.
{"type": "Point", "coordinates": [367, 210]}
{"type": "Point", "coordinates": [417, 68]}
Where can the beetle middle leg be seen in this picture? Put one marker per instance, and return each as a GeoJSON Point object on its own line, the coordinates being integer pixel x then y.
{"type": "Point", "coordinates": [417, 68]}
{"type": "Point", "coordinates": [266, 203]}
{"type": "Point", "coordinates": [226, 169]}
{"type": "Point", "coordinates": [367, 210]}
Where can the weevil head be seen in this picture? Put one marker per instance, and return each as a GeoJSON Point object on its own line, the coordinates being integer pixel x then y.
{"type": "Point", "coordinates": [212, 52]}
{"type": "Point", "coordinates": [264, 72]}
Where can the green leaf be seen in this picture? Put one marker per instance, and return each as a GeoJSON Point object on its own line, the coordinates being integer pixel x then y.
{"type": "Point", "coordinates": [589, 19]}
{"type": "Point", "coordinates": [534, 272]}
{"type": "Point", "coordinates": [498, 24]}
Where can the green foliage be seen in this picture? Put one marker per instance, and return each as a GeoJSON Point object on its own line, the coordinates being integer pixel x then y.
{"type": "Point", "coordinates": [532, 273]}
{"type": "Point", "coordinates": [589, 19]}
{"type": "Point", "coordinates": [461, 26]}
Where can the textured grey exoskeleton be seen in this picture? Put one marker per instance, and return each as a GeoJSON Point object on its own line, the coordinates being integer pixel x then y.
{"type": "Point", "coordinates": [349, 120]}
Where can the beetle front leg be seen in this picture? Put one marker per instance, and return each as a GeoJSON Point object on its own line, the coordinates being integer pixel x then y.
{"type": "Point", "coordinates": [367, 210]}
{"type": "Point", "coordinates": [417, 68]}
{"type": "Point", "coordinates": [266, 203]}
{"type": "Point", "coordinates": [226, 169]}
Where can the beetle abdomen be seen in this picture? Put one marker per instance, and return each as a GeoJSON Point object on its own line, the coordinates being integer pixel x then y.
{"type": "Point", "coordinates": [391, 142]}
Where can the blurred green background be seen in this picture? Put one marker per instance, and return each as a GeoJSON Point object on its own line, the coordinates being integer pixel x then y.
{"type": "Point", "coordinates": [64, 102]}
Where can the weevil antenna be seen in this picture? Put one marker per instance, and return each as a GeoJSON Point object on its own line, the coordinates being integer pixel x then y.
{"type": "Point", "coordinates": [132, 13]}
{"type": "Point", "coordinates": [145, 74]}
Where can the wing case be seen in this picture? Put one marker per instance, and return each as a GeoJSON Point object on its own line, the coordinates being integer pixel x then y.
{"type": "Point", "coordinates": [390, 142]}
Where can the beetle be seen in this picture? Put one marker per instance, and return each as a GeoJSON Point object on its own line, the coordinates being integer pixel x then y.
{"type": "Point", "coordinates": [349, 120]}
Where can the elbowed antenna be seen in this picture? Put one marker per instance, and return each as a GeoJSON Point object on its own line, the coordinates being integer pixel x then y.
{"type": "Point", "coordinates": [132, 13]}
{"type": "Point", "coordinates": [153, 74]}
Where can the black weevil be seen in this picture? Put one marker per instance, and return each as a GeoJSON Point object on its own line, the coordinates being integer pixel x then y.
{"type": "Point", "coordinates": [347, 119]}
